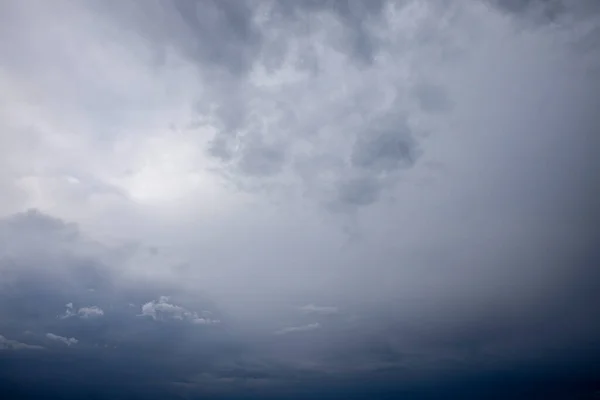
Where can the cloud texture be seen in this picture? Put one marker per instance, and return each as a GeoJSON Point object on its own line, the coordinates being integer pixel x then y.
{"type": "Point", "coordinates": [292, 199]}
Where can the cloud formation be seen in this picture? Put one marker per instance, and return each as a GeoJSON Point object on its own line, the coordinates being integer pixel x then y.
{"type": "Point", "coordinates": [161, 309]}
{"type": "Point", "coordinates": [83, 312]}
{"type": "Point", "coordinates": [90, 312]}
{"type": "Point", "coordinates": [65, 340]}
{"type": "Point", "coordinates": [342, 199]}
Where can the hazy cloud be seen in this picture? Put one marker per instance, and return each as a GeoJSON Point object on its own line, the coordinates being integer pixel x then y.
{"type": "Point", "coordinates": [313, 309]}
{"type": "Point", "coordinates": [303, 328]}
{"type": "Point", "coordinates": [65, 340]}
{"type": "Point", "coordinates": [8, 344]}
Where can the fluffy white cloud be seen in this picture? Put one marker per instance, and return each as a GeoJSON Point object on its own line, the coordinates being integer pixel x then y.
{"type": "Point", "coordinates": [90, 312]}
{"type": "Point", "coordinates": [83, 312]}
{"type": "Point", "coordinates": [162, 309]}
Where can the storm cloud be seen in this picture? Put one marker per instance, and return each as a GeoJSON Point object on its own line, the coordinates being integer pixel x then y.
{"type": "Point", "coordinates": [290, 199]}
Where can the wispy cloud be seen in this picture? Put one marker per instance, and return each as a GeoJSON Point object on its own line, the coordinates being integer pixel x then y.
{"type": "Point", "coordinates": [323, 310]}
{"type": "Point", "coordinates": [8, 344]}
{"type": "Point", "coordinates": [62, 339]}
{"type": "Point", "coordinates": [303, 328]}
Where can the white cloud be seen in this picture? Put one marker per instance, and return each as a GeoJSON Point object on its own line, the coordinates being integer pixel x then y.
{"type": "Point", "coordinates": [69, 312]}
{"type": "Point", "coordinates": [90, 312]}
{"type": "Point", "coordinates": [83, 312]}
{"type": "Point", "coordinates": [65, 340]}
{"type": "Point", "coordinates": [162, 309]}
{"type": "Point", "coordinates": [303, 328]}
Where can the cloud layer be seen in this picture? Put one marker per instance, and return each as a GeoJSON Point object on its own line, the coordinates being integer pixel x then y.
{"type": "Point", "coordinates": [280, 199]}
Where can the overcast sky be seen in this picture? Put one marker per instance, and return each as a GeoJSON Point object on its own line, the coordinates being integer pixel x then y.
{"type": "Point", "coordinates": [299, 199]}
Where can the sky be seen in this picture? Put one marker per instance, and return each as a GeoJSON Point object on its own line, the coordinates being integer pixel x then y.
{"type": "Point", "coordinates": [277, 199]}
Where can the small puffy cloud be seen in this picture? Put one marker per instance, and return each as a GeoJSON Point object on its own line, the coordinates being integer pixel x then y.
{"type": "Point", "coordinates": [162, 309]}
{"type": "Point", "coordinates": [8, 344]}
{"type": "Point", "coordinates": [303, 328]}
{"type": "Point", "coordinates": [90, 312]}
{"type": "Point", "coordinates": [65, 340]}
{"type": "Point", "coordinates": [322, 310]}
{"type": "Point", "coordinates": [69, 312]}
{"type": "Point", "coordinates": [83, 312]}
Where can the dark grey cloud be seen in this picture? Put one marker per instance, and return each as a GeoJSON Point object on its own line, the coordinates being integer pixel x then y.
{"type": "Point", "coordinates": [225, 34]}
{"type": "Point", "coordinates": [262, 160]}
{"type": "Point", "coordinates": [384, 147]}
{"type": "Point", "coordinates": [219, 32]}
{"type": "Point", "coordinates": [432, 98]}
{"type": "Point", "coordinates": [231, 36]}
{"type": "Point", "coordinates": [547, 8]}
{"type": "Point", "coordinates": [358, 18]}
{"type": "Point", "coordinates": [547, 11]}
{"type": "Point", "coordinates": [359, 191]}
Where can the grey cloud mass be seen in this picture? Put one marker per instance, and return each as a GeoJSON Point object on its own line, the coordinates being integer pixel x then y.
{"type": "Point", "coordinates": [278, 199]}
